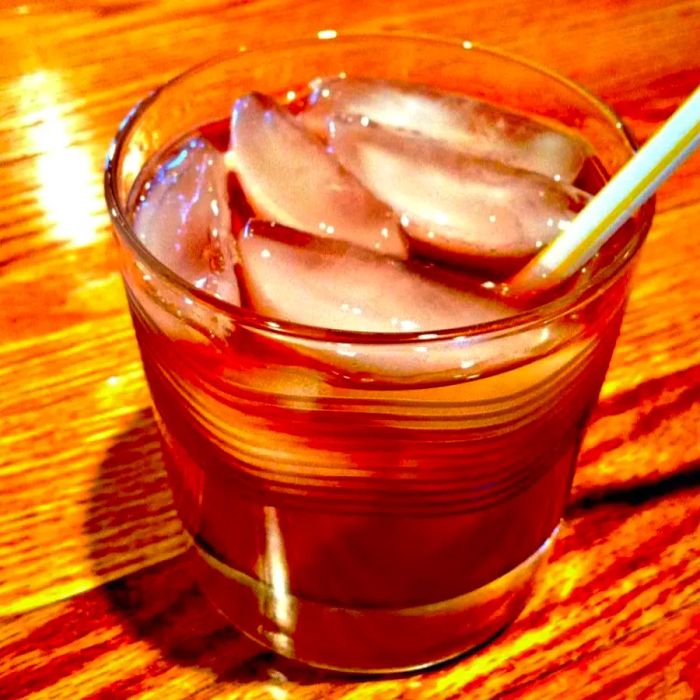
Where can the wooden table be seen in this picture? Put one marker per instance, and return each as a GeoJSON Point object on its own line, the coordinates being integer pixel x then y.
{"type": "Point", "coordinates": [96, 598]}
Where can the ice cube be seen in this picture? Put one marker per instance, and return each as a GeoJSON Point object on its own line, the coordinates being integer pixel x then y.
{"type": "Point", "coordinates": [429, 361]}
{"type": "Point", "coordinates": [331, 284]}
{"type": "Point", "coordinates": [466, 123]}
{"type": "Point", "coordinates": [298, 277]}
{"type": "Point", "coordinates": [455, 206]}
{"type": "Point", "coordinates": [289, 177]}
{"type": "Point", "coordinates": [184, 219]}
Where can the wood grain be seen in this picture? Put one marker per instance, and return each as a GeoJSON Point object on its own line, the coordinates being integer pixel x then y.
{"type": "Point", "coordinates": [621, 600]}
{"type": "Point", "coordinates": [96, 595]}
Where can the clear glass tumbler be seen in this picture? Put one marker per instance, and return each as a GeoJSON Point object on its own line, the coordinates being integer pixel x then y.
{"type": "Point", "coordinates": [348, 506]}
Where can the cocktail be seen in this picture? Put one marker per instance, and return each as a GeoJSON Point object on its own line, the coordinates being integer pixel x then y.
{"type": "Point", "coordinates": [370, 437]}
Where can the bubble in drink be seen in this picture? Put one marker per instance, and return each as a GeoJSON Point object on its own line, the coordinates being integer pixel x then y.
{"type": "Point", "coordinates": [455, 206]}
{"type": "Point", "coordinates": [289, 178]}
{"type": "Point", "coordinates": [466, 124]}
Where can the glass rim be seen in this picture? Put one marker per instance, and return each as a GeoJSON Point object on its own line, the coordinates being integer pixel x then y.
{"type": "Point", "coordinates": [519, 321]}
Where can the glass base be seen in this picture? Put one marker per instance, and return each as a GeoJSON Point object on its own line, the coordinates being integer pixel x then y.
{"type": "Point", "coordinates": [367, 640]}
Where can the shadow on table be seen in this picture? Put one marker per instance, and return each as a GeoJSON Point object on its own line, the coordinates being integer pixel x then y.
{"type": "Point", "coordinates": [131, 521]}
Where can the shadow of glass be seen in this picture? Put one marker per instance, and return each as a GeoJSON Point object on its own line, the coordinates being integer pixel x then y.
{"type": "Point", "coordinates": [132, 528]}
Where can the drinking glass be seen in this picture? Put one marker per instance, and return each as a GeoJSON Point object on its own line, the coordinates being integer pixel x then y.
{"type": "Point", "coordinates": [349, 505]}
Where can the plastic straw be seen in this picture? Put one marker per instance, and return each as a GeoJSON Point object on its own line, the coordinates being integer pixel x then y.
{"type": "Point", "coordinates": [629, 188]}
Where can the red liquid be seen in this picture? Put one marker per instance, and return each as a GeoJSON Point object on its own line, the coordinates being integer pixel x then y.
{"type": "Point", "coordinates": [348, 526]}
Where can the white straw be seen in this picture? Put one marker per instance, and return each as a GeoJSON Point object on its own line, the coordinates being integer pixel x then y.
{"type": "Point", "coordinates": [630, 187]}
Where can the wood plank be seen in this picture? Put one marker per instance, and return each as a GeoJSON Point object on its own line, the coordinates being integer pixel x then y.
{"type": "Point", "coordinates": [87, 529]}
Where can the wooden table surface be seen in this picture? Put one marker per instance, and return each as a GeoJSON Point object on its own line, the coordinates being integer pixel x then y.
{"type": "Point", "coordinates": [96, 597]}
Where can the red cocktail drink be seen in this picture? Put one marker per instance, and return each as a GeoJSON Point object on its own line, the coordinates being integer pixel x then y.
{"type": "Point", "coordinates": [369, 439]}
